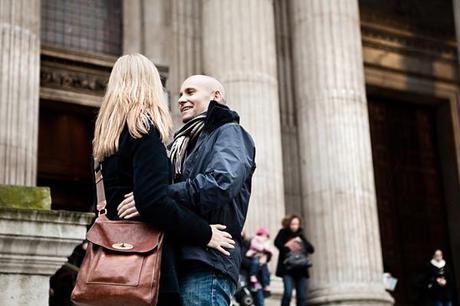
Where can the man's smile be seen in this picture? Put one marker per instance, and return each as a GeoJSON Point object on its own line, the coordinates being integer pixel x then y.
{"type": "Point", "coordinates": [185, 108]}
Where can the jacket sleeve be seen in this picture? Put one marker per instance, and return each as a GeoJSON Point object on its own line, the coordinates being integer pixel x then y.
{"type": "Point", "coordinates": [231, 162]}
{"type": "Point", "coordinates": [150, 180]}
{"type": "Point", "coordinates": [308, 246]}
{"type": "Point", "coordinates": [280, 240]}
{"type": "Point", "coordinates": [245, 261]}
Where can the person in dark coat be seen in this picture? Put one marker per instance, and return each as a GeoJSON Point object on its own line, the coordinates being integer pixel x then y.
{"type": "Point", "coordinates": [438, 281]}
{"type": "Point", "coordinates": [257, 296]}
{"type": "Point", "coordinates": [298, 279]}
{"type": "Point", "coordinates": [63, 281]}
{"type": "Point", "coordinates": [131, 128]}
{"type": "Point", "coordinates": [213, 178]}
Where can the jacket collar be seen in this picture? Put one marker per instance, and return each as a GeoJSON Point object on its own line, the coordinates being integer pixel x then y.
{"type": "Point", "coordinates": [218, 115]}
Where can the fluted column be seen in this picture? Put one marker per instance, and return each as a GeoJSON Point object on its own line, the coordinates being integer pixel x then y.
{"type": "Point", "coordinates": [185, 48]}
{"type": "Point", "coordinates": [457, 23]}
{"type": "Point", "coordinates": [336, 159]}
{"type": "Point", "coordinates": [456, 249]}
{"type": "Point", "coordinates": [289, 133]}
{"type": "Point", "coordinates": [19, 90]}
{"type": "Point", "coordinates": [239, 50]}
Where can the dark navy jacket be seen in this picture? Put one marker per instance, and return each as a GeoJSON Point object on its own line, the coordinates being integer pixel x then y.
{"type": "Point", "coordinates": [217, 184]}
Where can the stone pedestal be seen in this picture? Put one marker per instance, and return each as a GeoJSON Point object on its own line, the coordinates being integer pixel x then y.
{"type": "Point", "coordinates": [33, 245]}
{"type": "Point", "coordinates": [239, 50]}
{"type": "Point", "coordinates": [336, 159]}
{"type": "Point", "coordinates": [19, 90]}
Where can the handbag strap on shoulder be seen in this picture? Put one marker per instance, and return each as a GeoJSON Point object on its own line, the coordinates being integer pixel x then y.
{"type": "Point", "coordinates": [100, 192]}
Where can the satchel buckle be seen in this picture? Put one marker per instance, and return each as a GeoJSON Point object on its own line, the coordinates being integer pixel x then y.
{"type": "Point", "coordinates": [122, 246]}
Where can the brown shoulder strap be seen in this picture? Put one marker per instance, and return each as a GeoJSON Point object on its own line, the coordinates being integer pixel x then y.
{"type": "Point", "coordinates": [101, 202]}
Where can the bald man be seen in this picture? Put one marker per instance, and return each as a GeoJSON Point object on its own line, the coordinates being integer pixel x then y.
{"type": "Point", "coordinates": [196, 93]}
{"type": "Point", "coordinates": [213, 159]}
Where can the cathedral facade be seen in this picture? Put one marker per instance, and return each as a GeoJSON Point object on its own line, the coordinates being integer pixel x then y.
{"type": "Point", "coordinates": [354, 107]}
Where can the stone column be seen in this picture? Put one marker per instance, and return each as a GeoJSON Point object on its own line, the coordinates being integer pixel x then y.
{"type": "Point", "coordinates": [457, 23]}
{"type": "Point", "coordinates": [239, 50]}
{"type": "Point", "coordinates": [456, 246]}
{"type": "Point", "coordinates": [185, 48]}
{"type": "Point", "coordinates": [336, 159]}
{"type": "Point", "coordinates": [289, 131]}
{"type": "Point", "coordinates": [19, 90]}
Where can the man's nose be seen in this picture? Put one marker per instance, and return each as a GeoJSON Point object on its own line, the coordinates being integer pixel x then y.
{"type": "Point", "coordinates": [181, 100]}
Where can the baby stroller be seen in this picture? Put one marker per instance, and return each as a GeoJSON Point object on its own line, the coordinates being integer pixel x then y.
{"type": "Point", "coordinates": [243, 295]}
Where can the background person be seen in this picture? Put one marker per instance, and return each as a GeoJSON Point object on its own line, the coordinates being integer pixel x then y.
{"type": "Point", "coordinates": [260, 252]}
{"type": "Point", "coordinates": [439, 281]}
{"type": "Point", "coordinates": [292, 233]}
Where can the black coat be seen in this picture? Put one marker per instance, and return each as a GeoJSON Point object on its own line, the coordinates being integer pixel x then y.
{"type": "Point", "coordinates": [142, 166]}
{"type": "Point", "coordinates": [283, 236]}
{"type": "Point", "coordinates": [217, 184]}
{"type": "Point", "coordinates": [434, 290]}
{"type": "Point", "coordinates": [63, 281]}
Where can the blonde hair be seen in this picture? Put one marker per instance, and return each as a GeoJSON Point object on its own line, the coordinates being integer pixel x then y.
{"type": "Point", "coordinates": [135, 97]}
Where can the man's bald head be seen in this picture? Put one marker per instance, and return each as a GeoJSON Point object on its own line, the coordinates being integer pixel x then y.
{"type": "Point", "coordinates": [195, 94]}
{"type": "Point", "coordinates": [208, 83]}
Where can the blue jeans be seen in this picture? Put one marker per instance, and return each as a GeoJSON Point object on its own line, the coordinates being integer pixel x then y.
{"type": "Point", "coordinates": [205, 286]}
{"type": "Point", "coordinates": [441, 303]}
{"type": "Point", "coordinates": [259, 299]}
{"type": "Point", "coordinates": [260, 271]}
{"type": "Point", "coordinates": [300, 284]}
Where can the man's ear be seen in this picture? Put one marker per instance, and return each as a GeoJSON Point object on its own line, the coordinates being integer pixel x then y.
{"type": "Point", "coordinates": [217, 96]}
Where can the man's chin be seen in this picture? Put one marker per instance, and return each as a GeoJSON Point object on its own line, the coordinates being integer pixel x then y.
{"type": "Point", "coordinates": [186, 119]}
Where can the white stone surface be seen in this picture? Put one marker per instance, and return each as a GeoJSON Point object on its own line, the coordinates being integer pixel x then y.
{"type": "Point", "coordinates": [289, 128]}
{"type": "Point", "coordinates": [20, 289]}
{"type": "Point", "coordinates": [19, 90]}
{"type": "Point", "coordinates": [239, 50]}
{"type": "Point", "coordinates": [184, 50]}
{"type": "Point", "coordinates": [456, 4]}
{"type": "Point", "coordinates": [169, 33]}
{"type": "Point", "coordinates": [335, 150]}
{"type": "Point", "coordinates": [33, 245]}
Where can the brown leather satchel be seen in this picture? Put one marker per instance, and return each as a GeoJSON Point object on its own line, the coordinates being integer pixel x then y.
{"type": "Point", "coordinates": [122, 261]}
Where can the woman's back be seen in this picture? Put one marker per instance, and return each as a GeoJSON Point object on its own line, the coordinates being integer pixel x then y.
{"type": "Point", "coordinates": [119, 173]}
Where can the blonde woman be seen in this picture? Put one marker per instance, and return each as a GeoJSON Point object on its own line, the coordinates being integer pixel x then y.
{"type": "Point", "coordinates": [131, 128]}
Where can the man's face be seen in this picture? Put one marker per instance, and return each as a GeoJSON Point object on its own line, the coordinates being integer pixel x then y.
{"type": "Point", "coordinates": [194, 99]}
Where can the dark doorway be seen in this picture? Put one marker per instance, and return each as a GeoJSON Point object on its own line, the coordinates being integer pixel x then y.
{"type": "Point", "coordinates": [64, 154]}
{"type": "Point", "coordinates": [409, 186]}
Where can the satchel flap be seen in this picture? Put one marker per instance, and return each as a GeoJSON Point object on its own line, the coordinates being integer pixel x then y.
{"type": "Point", "coordinates": [124, 236]}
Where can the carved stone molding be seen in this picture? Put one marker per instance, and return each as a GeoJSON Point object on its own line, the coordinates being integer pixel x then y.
{"type": "Point", "coordinates": [409, 53]}
{"type": "Point", "coordinates": [430, 18]}
{"type": "Point", "coordinates": [73, 80]}
{"type": "Point", "coordinates": [77, 77]}
{"type": "Point", "coordinates": [404, 41]}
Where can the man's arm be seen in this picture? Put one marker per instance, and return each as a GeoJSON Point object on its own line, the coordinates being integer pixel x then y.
{"type": "Point", "coordinates": [231, 163]}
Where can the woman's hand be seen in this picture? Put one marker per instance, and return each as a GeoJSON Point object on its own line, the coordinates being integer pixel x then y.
{"type": "Point", "coordinates": [127, 208]}
{"type": "Point", "coordinates": [220, 239]}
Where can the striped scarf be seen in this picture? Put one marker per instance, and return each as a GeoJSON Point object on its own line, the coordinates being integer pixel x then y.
{"type": "Point", "coordinates": [186, 135]}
